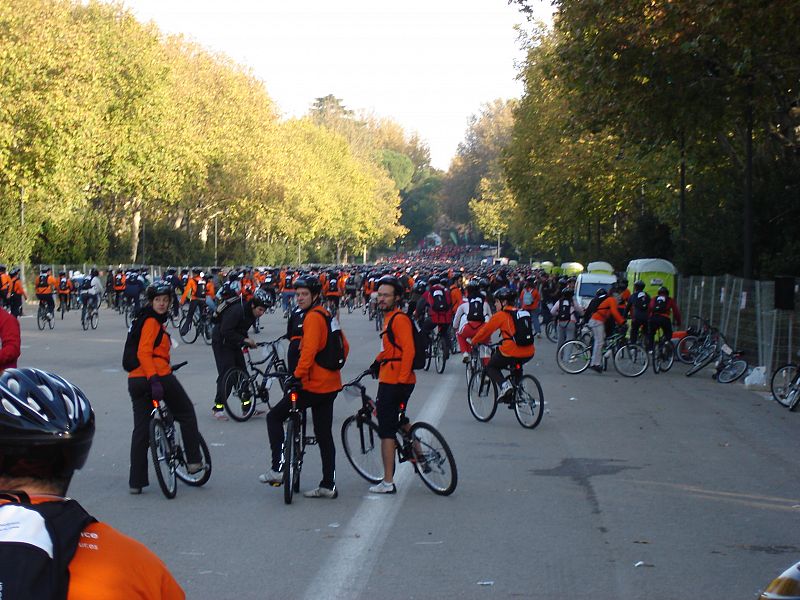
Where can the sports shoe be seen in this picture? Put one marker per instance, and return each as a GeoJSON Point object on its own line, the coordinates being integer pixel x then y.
{"type": "Point", "coordinates": [321, 492]}
{"type": "Point", "coordinates": [596, 368]}
{"type": "Point", "coordinates": [258, 411]}
{"type": "Point", "coordinates": [219, 415]}
{"type": "Point", "coordinates": [465, 357]}
{"type": "Point", "coordinates": [194, 468]}
{"type": "Point", "coordinates": [135, 491]}
{"type": "Point", "coordinates": [271, 476]}
{"type": "Point", "coordinates": [383, 488]}
{"type": "Point", "coordinates": [505, 390]}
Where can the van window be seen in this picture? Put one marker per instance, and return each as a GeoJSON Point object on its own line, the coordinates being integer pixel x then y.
{"type": "Point", "coordinates": [588, 289]}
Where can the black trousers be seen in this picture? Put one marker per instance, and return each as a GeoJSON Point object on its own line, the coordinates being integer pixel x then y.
{"type": "Point", "coordinates": [181, 408]}
{"type": "Point", "coordinates": [658, 322]}
{"type": "Point", "coordinates": [226, 359]}
{"type": "Point", "coordinates": [193, 306]}
{"type": "Point", "coordinates": [498, 362]}
{"type": "Point", "coordinates": [321, 406]}
{"type": "Point", "coordinates": [48, 299]}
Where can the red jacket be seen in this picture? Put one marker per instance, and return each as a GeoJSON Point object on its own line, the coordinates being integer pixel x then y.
{"type": "Point", "coordinates": [9, 341]}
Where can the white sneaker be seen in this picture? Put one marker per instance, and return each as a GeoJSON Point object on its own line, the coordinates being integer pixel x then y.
{"type": "Point", "coordinates": [321, 492]}
{"type": "Point", "coordinates": [219, 415]}
{"type": "Point", "coordinates": [504, 391]}
{"type": "Point", "coordinates": [271, 477]}
{"type": "Point", "coordinates": [465, 357]}
{"type": "Point", "coordinates": [383, 488]}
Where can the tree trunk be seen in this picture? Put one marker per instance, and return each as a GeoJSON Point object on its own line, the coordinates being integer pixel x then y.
{"type": "Point", "coordinates": [338, 253]}
{"type": "Point", "coordinates": [747, 262]}
{"type": "Point", "coordinates": [135, 225]}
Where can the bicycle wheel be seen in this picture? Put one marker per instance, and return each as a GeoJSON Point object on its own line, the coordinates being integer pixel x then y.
{"type": "Point", "coordinates": [95, 318]}
{"type": "Point", "coordinates": [667, 355]}
{"type": "Point", "coordinates": [62, 308]}
{"type": "Point", "coordinates": [439, 357]}
{"type": "Point", "coordinates": [732, 371]}
{"type": "Point", "coordinates": [206, 328]}
{"type": "Point", "coordinates": [51, 320]}
{"type": "Point", "coordinates": [128, 315]}
{"type": "Point", "coordinates": [573, 357]}
{"type": "Point", "coordinates": [781, 383]}
{"type": "Point", "coordinates": [631, 360]}
{"type": "Point", "coordinates": [290, 458]}
{"type": "Point", "coordinates": [551, 332]}
{"type": "Point", "coordinates": [702, 360]}
{"type": "Point", "coordinates": [190, 336]}
{"type": "Point", "coordinates": [428, 355]}
{"type": "Point", "coordinates": [84, 321]}
{"type": "Point", "coordinates": [529, 402]}
{"type": "Point", "coordinates": [687, 349]}
{"type": "Point", "coordinates": [41, 318]}
{"type": "Point", "coordinates": [194, 479]}
{"type": "Point", "coordinates": [482, 397]}
{"type": "Point", "coordinates": [434, 461]}
{"type": "Point", "coordinates": [239, 394]}
{"type": "Point", "coordinates": [362, 446]}
{"type": "Point", "coordinates": [162, 459]}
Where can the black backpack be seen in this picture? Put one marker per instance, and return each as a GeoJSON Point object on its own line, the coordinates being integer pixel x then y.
{"type": "Point", "coordinates": [42, 281]}
{"type": "Point", "coordinates": [86, 284]}
{"type": "Point", "coordinates": [642, 302]}
{"type": "Point", "coordinates": [593, 304]}
{"type": "Point", "coordinates": [564, 310]}
{"type": "Point", "coordinates": [421, 341]}
{"type": "Point", "coordinates": [130, 360]}
{"type": "Point", "coordinates": [332, 356]}
{"type": "Point", "coordinates": [439, 301]}
{"type": "Point", "coordinates": [660, 305]}
{"type": "Point", "coordinates": [201, 289]}
{"type": "Point", "coordinates": [475, 310]}
{"type": "Point", "coordinates": [523, 328]}
{"type": "Point", "coordinates": [29, 568]}
{"type": "Point", "coordinates": [216, 316]}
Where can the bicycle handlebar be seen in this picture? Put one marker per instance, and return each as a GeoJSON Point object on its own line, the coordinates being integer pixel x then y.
{"type": "Point", "coordinates": [179, 365]}
{"type": "Point", "coordinates": [358, 379]}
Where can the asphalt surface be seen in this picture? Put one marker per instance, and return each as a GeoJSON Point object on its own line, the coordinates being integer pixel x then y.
{"type": "Point", "coordinates": [693, 481]}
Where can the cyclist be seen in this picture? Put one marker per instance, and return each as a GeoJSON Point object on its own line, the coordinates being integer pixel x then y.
{"type": "Point", "coordinates": [227, 340]}
{"type": "Point", "coordinates": [195, 293]}
{"type": "Point", "coordinates": [601, 310]}
{"type": "Point", "coordinates": [65, 289]}
{"type": "Point", "coordinates": [5, 286]}
{"type": "Point", "coordinates": [566, 312]}
{"type": "Point", "coordinates": [119, 287]}
{"type": "Point", "coordinates": [437, 300]}
{"type": "Point", "coordinates": [472, 313]}
{"type": "Point", "coordinates": [17, 293]}
{"type": "Point", "coordinates": [133, 289]}
{"type": "Point", "coordinates": [171, 278]}
{"type": "Point", "coordinates": [45, 284]}
{"type": "Point", "coordinates": [153, 380]}
{"type": "Point", "coordinates": [41, 450]}
{"type": "Point", "coordinates": [330, 289]}
{"type": "Point", "coordinates": [91, 291]}
{"type": "Point", "coordinates": [509, 352]}
{"type": "Point", "coordinates": [662, 308]}
{"type": "Point", "coordinates": [529, 299]}
{"type": "Point", "coordinates": [638, 309]}
{"type": "Point", "coordinates": [318, 387]}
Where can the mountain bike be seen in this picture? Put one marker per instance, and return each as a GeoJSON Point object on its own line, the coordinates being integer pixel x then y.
{"type": "Point", "coordinates": [630, 360]}
{"type": "Point", "coordinates": [663, 354]}
{"type": "Point", "coordinates": [526, 399]}
{"type": "Point", "coordinates": [785, 386]}
{"type": "Point", "coordinates": [294, 447]}
{"type": "Point", "coordinates": [167, 452]}
{"type": "Point", "coordinates": [243, 390]}
{"type": "Point", "coordinates": [90, 315]}
{"type": "Point", "coordinates": [418, 443]}
{"type": "Point", "coordinates": [730, 365]}
{"type": "Point", "coordinates": [436, 352]}
{"type": "Point", "coordinates": [43, 316]}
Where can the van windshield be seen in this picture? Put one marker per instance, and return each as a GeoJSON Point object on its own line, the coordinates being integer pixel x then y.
{"type": "Point", "coordinates": [588, 289]}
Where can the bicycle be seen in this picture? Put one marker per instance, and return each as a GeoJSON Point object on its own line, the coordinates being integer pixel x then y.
{"type": "Point", "coordinates": [730, 366]}
{"type": "Point", "coordinates": [630, 360]}
{"type": "Point", "coordinates": [167, 453]}
{"type": "Point", "coordinates": [527, 398]}
{"type": "Point", "coordinates": [242, 388]}
{"type": "Point", "coordinates": [418, 443]}
{"type": "Point", "coordinates": [294, 447]}
{"type": "Point", "coordinates": [697, 335]}
{"type": "Point", "coordinates": [43, 316]}
{"type": "Point", "coordinates": [785, 386]}
{"type": "Point", "coordinates": [436, 352]}
{"type": "Point", "coordinates": [663, 354]}
{"type": "Point", "coordinates": [200, 325]}
{"type": "Point", "coordinates": [90, 315]}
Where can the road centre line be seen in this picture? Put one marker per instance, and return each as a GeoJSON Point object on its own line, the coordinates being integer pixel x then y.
{"type": "Point", "coordinates": [345, 573]}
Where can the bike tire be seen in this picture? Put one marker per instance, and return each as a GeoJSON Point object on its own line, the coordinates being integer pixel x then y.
{"type": "Point", "coordinates": [239, 395]}
{"type": "Point", "coordinates": [667, 356]}
{"type": "Point", "coordinates": [428, 356]}
{"type": "Point", "coordinates": [441, 361]}
{"type": "Point", "coordinates": [194, 479]}
{"type": "Point", "coordinates": [551, 331]}
{"type": "Point", "coordinates": [686, 349]}
{"type": "Point", "coordinates": [162, 459]}
{"type": "Point", "coordinates": [128, 315]}
{"type": "Point", "coordinates": [573, 357]}
{"type": "Point", "coordinates": [781, 384]}
{"type": "Point", "coordinates": [732, 371]}
{"type": "Point", "coordinates": [207, 329]}
{"type": "Point", "coordinates": [289, 461]}
{"type": "Point", "coordinates": [94, 320]}
{"type": "Point", "coordinates": [84, 322]}
{"type": "Point", "coordinates": [631, 360]}
{"type": "Point", "coordinates": [529, 402]}
{"type": "Point", "coordinates": [482, 397]}
{"type": "Point", "coordinates": [702, 361]}
{"type": "Point", "coordinates": [362, 447]}
{"type": "Point", "coordinates": [51, 322]}
{"type": "Point", "coordinates": [41, 320]}
{"type": "Point", "coordinates": [436, 467]}
{"type": "Point", "coordinates": [62, 309]}
{"type": "Point", "coordinates": [190, 336]}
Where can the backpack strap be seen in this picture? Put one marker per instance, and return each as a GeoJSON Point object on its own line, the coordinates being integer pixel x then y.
{"type": "Point", "coordinates": [390, 334]}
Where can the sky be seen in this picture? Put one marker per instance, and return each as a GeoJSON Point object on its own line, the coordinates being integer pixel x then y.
{"type": "Point", "coordinates": [427, 64]}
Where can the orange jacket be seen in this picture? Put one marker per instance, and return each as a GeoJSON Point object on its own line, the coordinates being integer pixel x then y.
{"type": "Point", "coordinates": [189, 290]}
{"type": "Point", "coordinates": [119, 287]}
{"type": "Point", "coordinates": [313, 377]}
{"type": "Point", "coordinates": [606, 309]}
{"type": "Point", "coordinates": [397, 359]}
{"type": "Point", "coordinates": [456, 297]}
{"type": "Point", "coordinates": [536, 298]}
{"type": "Point", "coordinates": [503, 321]}
{"type": "Point", "coordinates": [52, 282]}
{"type": "Point", "coordinates": [152, 361]}
{"type": "Point", "coordinates": [247, 288]}
{"type": "Point", "coordinates": [5, 283]}
{"type": "Point", "coordinates": [68, 287]}
{"type": "Point", "coordinates": [17, 288]}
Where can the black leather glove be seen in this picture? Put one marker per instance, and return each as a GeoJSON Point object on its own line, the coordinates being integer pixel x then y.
{"type": "Point", "coordinates": [156, 389]}
{"type": "Point", "coordinates": [292, 383]}
{"type": "Point", "coordinates": [374, 369]}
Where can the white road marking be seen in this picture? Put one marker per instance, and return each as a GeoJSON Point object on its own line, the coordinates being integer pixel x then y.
{"type": "Point", "coordinates": [359, 542]}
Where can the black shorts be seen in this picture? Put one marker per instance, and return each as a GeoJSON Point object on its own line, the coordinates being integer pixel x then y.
{"type": "Point", "coordinates": [390, 397]}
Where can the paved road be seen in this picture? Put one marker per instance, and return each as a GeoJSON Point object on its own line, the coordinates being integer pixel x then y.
{"type": "Point", "coordinates": [695, 480]}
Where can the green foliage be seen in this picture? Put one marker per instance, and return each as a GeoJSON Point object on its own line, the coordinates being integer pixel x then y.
{"type": "Point", "coordinates": [420, 207]}
{"type": "Point", "coordinates": [399, 167]}
{"type": "Point", "coordinates": [81, 237]}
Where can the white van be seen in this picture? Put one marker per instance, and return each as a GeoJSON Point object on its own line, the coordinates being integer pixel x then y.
{"type": "Point", "coordinates": [588, 283]}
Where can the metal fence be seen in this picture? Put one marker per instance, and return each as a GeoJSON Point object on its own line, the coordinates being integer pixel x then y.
{"type": "Point", "coordinates": [744, 311]}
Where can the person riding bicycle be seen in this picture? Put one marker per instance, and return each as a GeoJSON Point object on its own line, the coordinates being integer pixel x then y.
{"type": "Point", "coordinates": [661, 312]}
{"type": "Point", "coordinates": [393, 367]}
{"type": "Point", "coordinates": [227, 339]}
{"type": "Point", "coordinates": [65, 289]}
{"type": "Point", "coordinates": [153, 380]}
{"type": "Point", "coordinates": [171, 278]}
{"type": "Point", "coordinates": [638, 309]}
{"type": "Point", "coordinates": [45, 285]}
{"type": "Point", "coordinates": [39, 452]}
{"type": "Point", "coordinates": [5, 286]}
{"type": "Point", "coordinates": [119, 287]}
{"type": "Point", "coordinates": [439, 314]}
{"type": "Point", "coordinates": [195, 293]}
{"type": "Point", "coordinates": [330, 289]}
{"type": "Point", "coordinates": [601, 310]}
{"type": "Point", "coordinates": [91, 292]}
{"type": "Point", "coordinates": [317, 386]}
{"type": "Point", "coordinates": [17, 292]}
{"type": "Point", "coordinates": [133, 289]}
{"type": "Point", "coordinates": [509, 352]}
{"type": "Point", "coordinates": [470, 316]}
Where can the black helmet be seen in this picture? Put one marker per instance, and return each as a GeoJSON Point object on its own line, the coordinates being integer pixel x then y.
{"type": "Point", "coordinates": [601, 293]}
{"type": "Point", "coordinates": [663, 290]}
{"type": "Point", "coordinates": [473, 285]}
{"type": "Point", "coordinates": [392, 281]}
{"type": "Point", "coordinates": [14, 272]}
{"type": "Point", "coordinates": [434, 280]}
{"type": "Point", "coordinates": [260, 298]}
{"type": "Point", "coordinates": [94, 273]}
{"type": "Point", "coordinates": [45, 419]}
{"type": "Point", "coordinates": [504, 293]}
{"type": "Point", "coordinates": [638, 285]}
{"type": "Point", "coordinates": [196, 270]}
{"type": "Point", "coordinates": [171, 271]}
{"type": "Point", "coordinates": [310, 283]}
{"type": "Point", "coordinates": [159, 288]}
{"type": "Point", "coordinates": [530, 280]}
{"type": "Point", "coordinates": [568, 293]}
{"type": "Point", "coordinates": [420, 286]}
{"type": "Point", "coordinates": [484, 283]}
